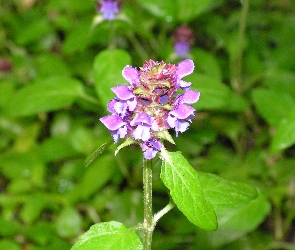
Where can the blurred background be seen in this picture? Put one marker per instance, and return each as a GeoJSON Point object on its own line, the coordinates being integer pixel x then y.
{"type": "Point", "coordinates": [58, 60]}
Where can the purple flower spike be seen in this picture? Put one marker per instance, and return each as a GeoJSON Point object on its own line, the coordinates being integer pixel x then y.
{"type": "Point", "coordinates": [185, 67]}
{"type": "Point", "coordinates": [190, 96]}
{"type": "Point", "coordinates": [143, 123]}
{"type": "Point", "coordinates": [131, 75]}
{"type": "Point", "coordinates": [109, 8]}
{"type": "Point", "coordinates": [116, 125]}
{"type": "Point", "coordinates": [150, 148]}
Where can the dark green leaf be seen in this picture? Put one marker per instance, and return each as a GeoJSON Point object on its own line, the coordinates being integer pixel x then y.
{"type": "Point", "coordinates": [182, 181]}
{"type": "Point", "coordinates": [272, 105]}
{"type": "Point", "coordinates": [44, 95]}
{"type": "Point", "coordinates": [108, 236]}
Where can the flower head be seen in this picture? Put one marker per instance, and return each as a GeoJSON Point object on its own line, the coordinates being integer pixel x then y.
{"type": "Point", "coordinates": [150, 105]}
{"type": "Point", "coordinates": [183, 39]}
{"type": "Point", "coordinates": [108, 8]}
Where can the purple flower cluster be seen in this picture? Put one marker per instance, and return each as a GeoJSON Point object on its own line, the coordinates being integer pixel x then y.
{"type": "Point", "coordinates": [150, 105]}
{"type": "Point", "coordinates": [183, 40]}
{"type": "Point", "coordinates": [108, 8]}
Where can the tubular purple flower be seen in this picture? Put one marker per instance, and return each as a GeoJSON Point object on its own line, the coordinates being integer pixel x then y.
{"type": "Point", "coordinates": [184, 68]}
{"type": "Point", "coordinates": [144, 123]}
{"type": "Point", "coordinates": [189, 97]}
{"type": "Point", "coordinates": [109, 8]}
{"type": "Point", "coordinates": [131, 75]}
{"type": "Point", "coordinates": [116, 125]}
{"type": "Point", "coordinates": [125, 94]}
{"type": "Point", "coordinates": [177, 118]}
{"type": "Point", "coordinates": [182, 48]}
{"type": "Point", "coordinates": [150, 148]}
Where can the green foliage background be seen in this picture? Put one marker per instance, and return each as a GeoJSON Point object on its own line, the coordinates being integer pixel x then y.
{"type": "Point", "coordinates": [60, 61]}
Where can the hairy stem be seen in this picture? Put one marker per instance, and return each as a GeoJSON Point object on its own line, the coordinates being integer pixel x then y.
{"type": "Point", "coordinates": [148, 203]}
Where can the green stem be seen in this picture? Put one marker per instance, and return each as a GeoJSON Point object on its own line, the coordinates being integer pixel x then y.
{"type": "Point", "coordinates": [237, 61]}
{"type": "Point", "coordinates": [148, 204]}
{"type": "Point", "coordinates": [112, 44]}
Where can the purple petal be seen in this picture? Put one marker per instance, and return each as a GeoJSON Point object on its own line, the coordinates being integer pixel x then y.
{"type": "Point", "coordinates": [141, 119]}
{"type": "Point", "coordinates": [131, 75]}
{"type": "Point", "coordinates": [120, 108]}
{"type": "Point", "coordinates": [132, 103]}
{"type": "Point", "coordinates": [123, 92]}
{"type": "Point", "coordinates": [182, 48]}
{"type": "Point", "coordinates": [111, 105]}
{"type": "Point", "coordinates": [181, 126]}
{"type": "Point", "coordinates": [185, 68]}
{"type": "Point", "coordinates": [120, 133]}
{"type": "Point", "coordinates": [150, 148]}
{"type": "Point", "coordinates": [184, 85]}
{"type": "Point", "coordinates": [142, 133]}
{"type": "Point", "coordinates": [190, 96]}
{"type": "Point", "coordinates": [108, 9]}
{"type": "Point", "coordinates": [171, 120]}
{"type": "Point", "coordinates": [182, 111]}
{"type": "Point", "coordinates": [112, 122]}
{"type": "Point", "coordinates": [150, 153]}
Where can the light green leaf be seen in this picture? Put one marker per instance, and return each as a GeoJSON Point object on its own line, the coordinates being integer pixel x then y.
{"type": "Point", "coordinates": [182, 181]}
{"type": "Point", "coordinates": [126, 143]}
{"type": "Point", "coordinates": [272, 105]}
{"type": "Point", "coordinates": [224, 194]}
{"type": "Point", "coordinates": [108, 236]}
{"type": "Point", "coordinates": [108, 66]}
{"type": "Point", "coordinates": [44, 95]}
{"type": "Point", "coordinates": [285, 135]}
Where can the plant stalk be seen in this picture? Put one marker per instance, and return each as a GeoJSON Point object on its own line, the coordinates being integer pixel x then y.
{"type": "Point", "coordinates": [148, 204]}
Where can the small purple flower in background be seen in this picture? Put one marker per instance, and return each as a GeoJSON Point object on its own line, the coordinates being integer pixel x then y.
{"type": "Point", "coordinates": [183, 40]}
{"type": "Point", "coordinates": [150, 105]}
{"type": "Point", "coordinates": [108, 8]}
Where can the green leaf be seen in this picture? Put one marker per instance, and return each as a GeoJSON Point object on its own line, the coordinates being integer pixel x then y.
{"type": "Point", "coordinates": [207, 63]}
{"type": "Point", "coordinates": [285, 135]}
{"type": "Point", "coordinates": [224, 194]}
{"type": "Point", "coordinates": [44, 95]}
{"type": "Point", "coordinates": [182, 181]}
{"type": "Point", "coordinates": [95, 177]}
{"type": "Point", "coordinates": [69, 222]}
{"type": "Point", "coordinates": [108, 236]}
{"type": "Point", "coordinates": [235, 223]}
{"type": "Point", "coordinates": [272, 105]}
{"type": "Point", "coordinates": [9, 244]}
{"type": "Point", "coordinates": [214, 94]}
{"type": "Point", "coordinates": [90, 158]}
{"type": "Point", "coordinates": [32, 208]}
{"type": "Point", "coordinates": [108, 66]}
{"type": "Point", "coordinates": [126, 143]}
{"type": "Point", "coordinates": [189, 9]}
